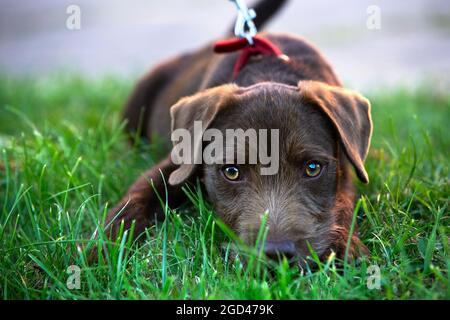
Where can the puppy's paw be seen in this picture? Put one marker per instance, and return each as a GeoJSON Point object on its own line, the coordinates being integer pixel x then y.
{"type": "Point", "coordinates": [131, 214]}
{"type": "Point", "coordinates": [356, 250]}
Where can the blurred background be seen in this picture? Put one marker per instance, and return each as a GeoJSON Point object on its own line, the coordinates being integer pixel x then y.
{"type": "Point", "coordinates": [127, 37]}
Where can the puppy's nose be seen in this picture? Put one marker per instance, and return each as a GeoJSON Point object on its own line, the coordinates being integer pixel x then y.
{"type": "Point", "coordinates": [275, 250]}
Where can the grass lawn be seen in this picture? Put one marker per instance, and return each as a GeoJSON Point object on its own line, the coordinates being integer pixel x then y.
{"type": "Point", "coordinates": [64, 160]}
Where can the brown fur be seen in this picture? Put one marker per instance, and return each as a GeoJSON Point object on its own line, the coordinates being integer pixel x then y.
{"type": "Point", "coordinates": [317, 119]}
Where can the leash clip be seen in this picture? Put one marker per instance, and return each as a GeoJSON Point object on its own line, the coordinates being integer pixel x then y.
{"type": "Point", "coordinates": [245, 27]}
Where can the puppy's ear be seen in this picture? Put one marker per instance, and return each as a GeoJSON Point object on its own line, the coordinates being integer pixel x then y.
{"type": "Point", "coordinates": [350, 114]}
{"type": "Point", "coordinates": [203, 106]}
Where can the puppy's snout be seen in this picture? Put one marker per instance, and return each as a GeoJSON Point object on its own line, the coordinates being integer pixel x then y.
{"type": "Point", "coordinates": [276, 250]}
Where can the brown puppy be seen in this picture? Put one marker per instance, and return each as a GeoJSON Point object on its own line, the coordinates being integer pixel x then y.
{"type": "Point", "coordinates": [324, 130]}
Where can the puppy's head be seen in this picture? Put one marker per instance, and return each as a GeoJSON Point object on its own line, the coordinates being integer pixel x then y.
{"type": "Point", "coordinates": [318, 126]}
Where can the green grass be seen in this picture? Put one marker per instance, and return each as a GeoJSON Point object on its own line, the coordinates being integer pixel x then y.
{"type": "Point", "coordinates": [65, 160]}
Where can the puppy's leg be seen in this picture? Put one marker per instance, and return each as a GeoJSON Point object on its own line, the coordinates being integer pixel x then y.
{"type": "Point", "coordinates": [340, 237]}
{"type": "Point", "coordinates": [343, 221]}
{"type": "Point", "coordinates": [141, 203]}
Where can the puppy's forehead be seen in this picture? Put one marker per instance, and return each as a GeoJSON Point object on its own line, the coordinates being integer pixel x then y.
{"type": "Point", "coordinates": [278, 106]}
{"type": "Point", "coordinates": [268, 93]}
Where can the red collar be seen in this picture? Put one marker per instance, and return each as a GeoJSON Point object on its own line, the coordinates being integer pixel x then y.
{"type": "Point", "coordinates": [260, 46]}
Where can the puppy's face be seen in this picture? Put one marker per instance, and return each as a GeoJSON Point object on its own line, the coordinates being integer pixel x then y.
{"type": "Point", "coordinates": [299, 198]}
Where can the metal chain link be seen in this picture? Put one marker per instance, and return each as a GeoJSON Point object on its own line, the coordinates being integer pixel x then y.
{"type": "Point", "coordinates": [245, 27]}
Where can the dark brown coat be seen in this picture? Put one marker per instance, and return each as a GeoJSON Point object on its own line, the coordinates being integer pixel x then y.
{"type": "Point", "coordinates": [317, 119]}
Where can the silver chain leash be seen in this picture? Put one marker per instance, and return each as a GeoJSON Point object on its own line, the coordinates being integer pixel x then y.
{"type": "Point", "coordinates": [245, 27]}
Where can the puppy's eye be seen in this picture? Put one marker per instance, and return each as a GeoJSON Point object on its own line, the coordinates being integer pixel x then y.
{"type": "Point", "coordinates": [313, 169]}
{"type": "Point", "coordinates": [231, 172]}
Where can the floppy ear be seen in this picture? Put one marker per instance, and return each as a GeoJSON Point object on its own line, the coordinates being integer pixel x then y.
{"type": "Point", "coordinates": [350, 114]}
{"type": "Point", "coordinates": [204, 107]}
